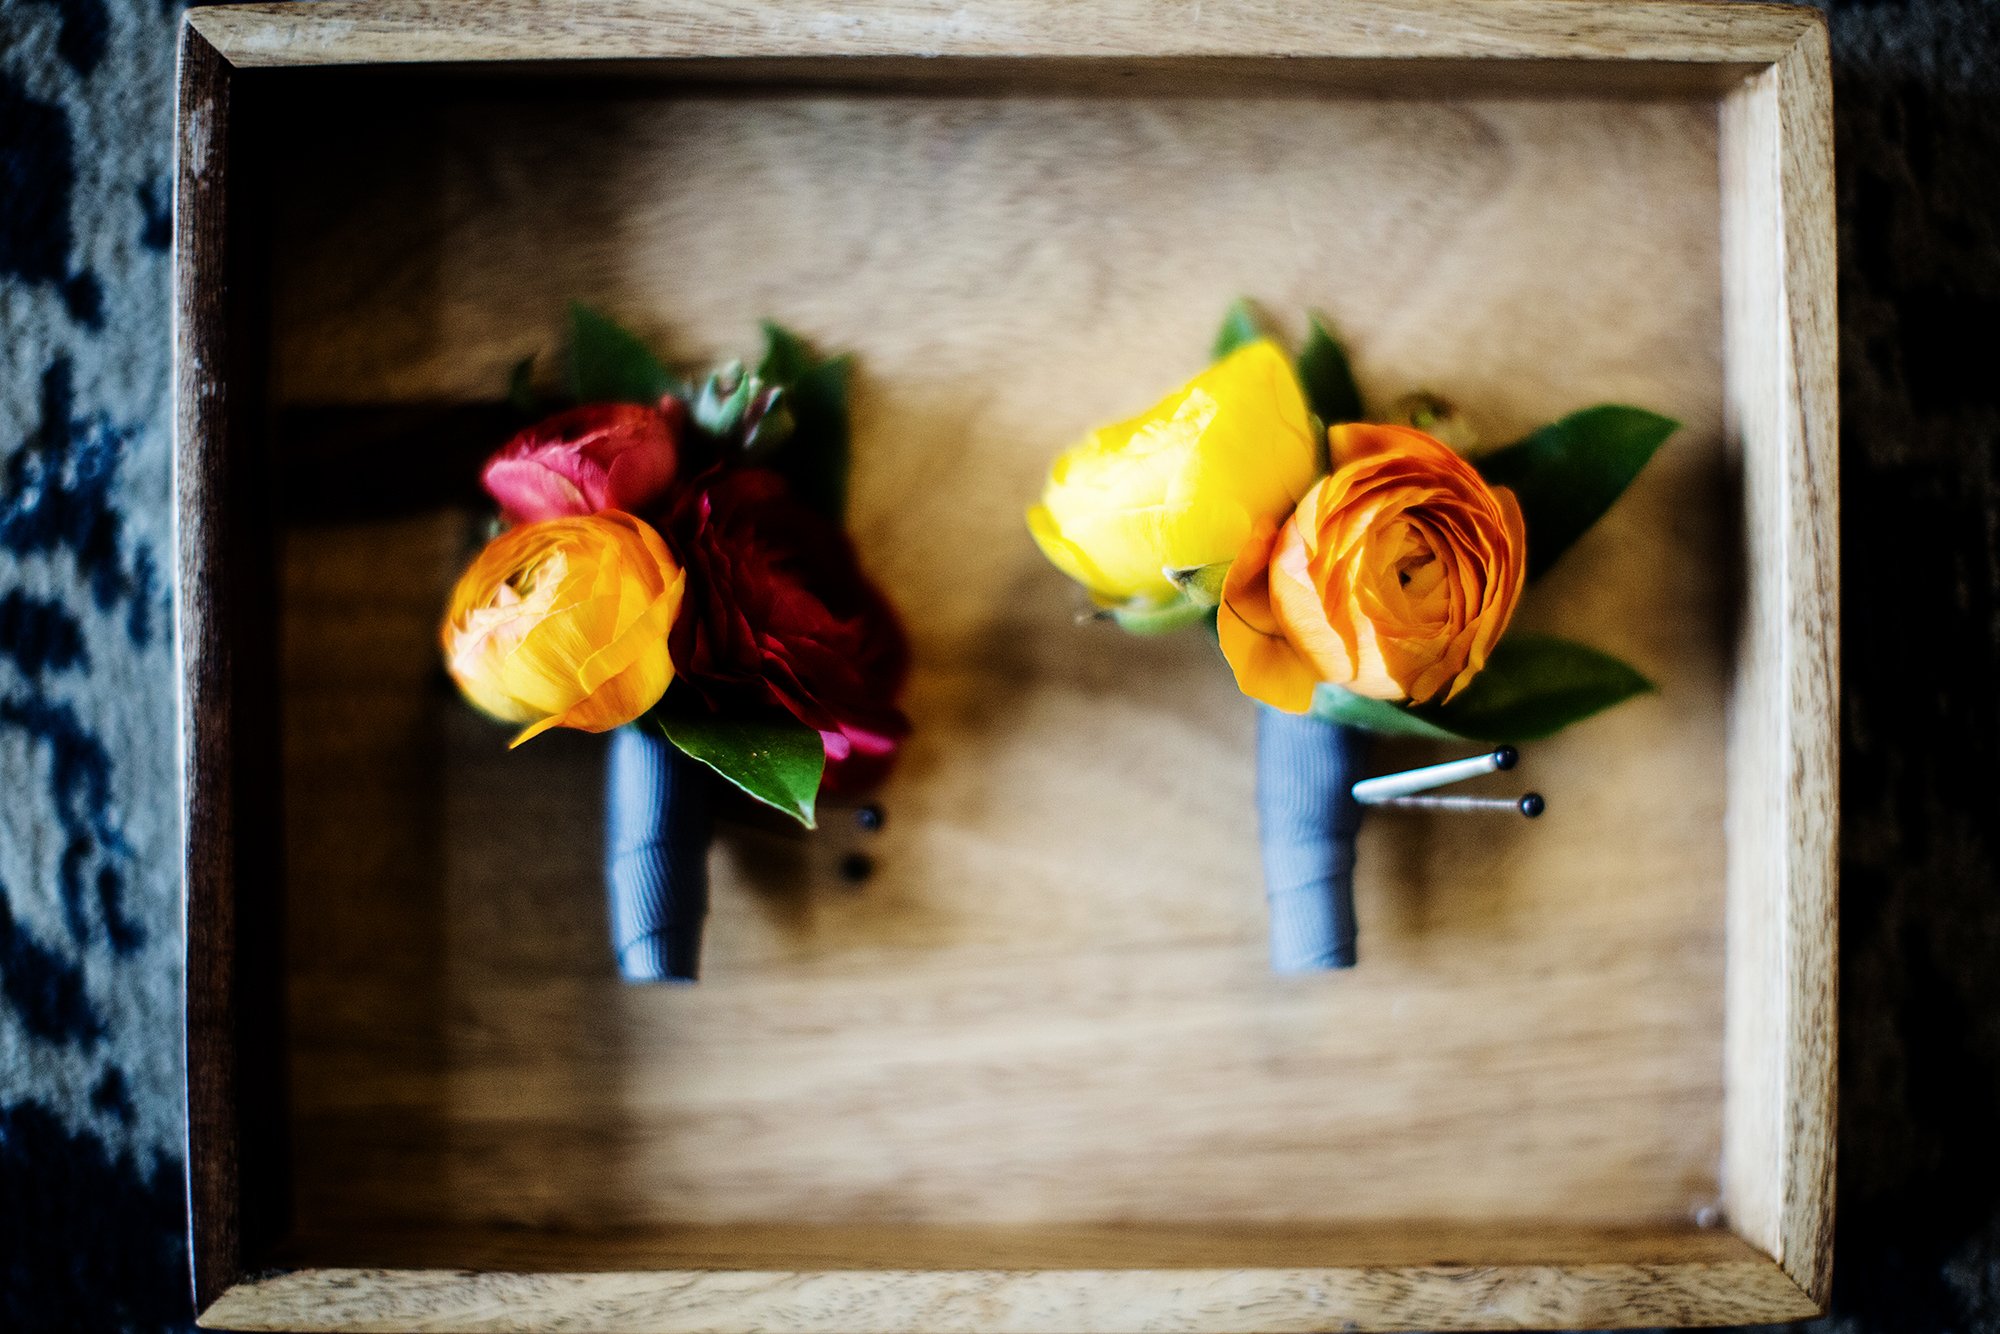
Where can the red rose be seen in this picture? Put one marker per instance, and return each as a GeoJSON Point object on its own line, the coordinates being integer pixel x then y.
{"type": "Point", "coordinates": [602, 456]}
{"type": "Point", "coordinates": [779, 612]}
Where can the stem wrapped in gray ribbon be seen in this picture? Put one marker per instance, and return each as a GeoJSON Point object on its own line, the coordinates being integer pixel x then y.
{"type": "Point", "coordinates": [657, 824]}
{"type": "Point", "coordinates": [1307, 821]}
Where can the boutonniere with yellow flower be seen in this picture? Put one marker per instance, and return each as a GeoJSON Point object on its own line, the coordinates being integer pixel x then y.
{"type": "Point", "coordinates": [671, 568]}
{"type": "Point", "coordinates": [1360, 575]}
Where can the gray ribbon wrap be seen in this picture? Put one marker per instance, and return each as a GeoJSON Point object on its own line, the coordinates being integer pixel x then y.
{"type": "Point", "coordinates": [1307, 821]}
{"type": "Point", "coordinates": [657, 825]}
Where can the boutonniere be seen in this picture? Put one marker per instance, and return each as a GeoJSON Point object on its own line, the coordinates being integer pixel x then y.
{"type": "Point", "coordinates": [1360, 573]}
{"type": "Point", "coordinates": [670, 566]}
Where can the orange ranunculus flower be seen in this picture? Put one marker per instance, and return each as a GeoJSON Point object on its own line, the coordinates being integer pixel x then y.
{"type": "Point", "coordinates": [564, 623]}
{"type": "Point", "coordinates": [1394, 578]}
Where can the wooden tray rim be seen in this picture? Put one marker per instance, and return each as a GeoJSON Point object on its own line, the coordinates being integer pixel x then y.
{"type": "Point", "coordinates": [1769, 66]}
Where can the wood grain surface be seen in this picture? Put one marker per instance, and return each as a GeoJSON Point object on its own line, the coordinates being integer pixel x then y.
{"type": "Point", "coordinates": [1777, 165]}
{"type": "Point", "coordinates": [1627, 33]}
{"type": "Point", "coordinates": [226, 633]}
{"type": "Point", "coordinates": [1743, 1289]}
{"type": "Point", "coordinates": [1051, 1001]}
{"type": "Point", "coordinates": [1033, 1074]}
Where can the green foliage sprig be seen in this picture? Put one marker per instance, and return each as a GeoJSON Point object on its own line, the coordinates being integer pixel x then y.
{"type": "Point", "coordinates": [1565, 476]}
{"type": "Point", "coordinates": [772, 757]}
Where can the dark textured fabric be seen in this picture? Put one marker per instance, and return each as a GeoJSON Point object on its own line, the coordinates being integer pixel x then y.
{"type": "Point", "coordinates": [1917, 150]}
{"type": "Point", "coordinates": [91, 1198]}
{"type": "Point", "coordinates": [656, 835]}
{"type": "Point", "coordinates": [89, 1095]}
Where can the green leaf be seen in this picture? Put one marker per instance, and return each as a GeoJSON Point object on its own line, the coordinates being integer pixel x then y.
{"type": "Point", "coordinates": [1534, 686]}
{"type": "Point", "coordinates": [1569, 472]}
{"type": "Point", "coordinates": [777, 761]}
{"type": "Point", "coordinates": [521, 395]}
{"type": "Point", "coordinates": [1239, 328]}
{"type": "Point", "coordinates": [608, 363]}
{"type": "Point", "coordinates": [817, 456]}
{"type": "Point", "coordinates": [1201, 584]}
{"type": "Point", "coordinates": [786, 355]}
{"type": "Point", "coordinates": [1332, 704]}
{"type": "Point", "coordinates": [1144, 619]}
{"type": "Point", "coordinates": [1327, 377]}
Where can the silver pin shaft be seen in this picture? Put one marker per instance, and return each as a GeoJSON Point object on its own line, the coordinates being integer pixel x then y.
{"type": "Point", "coordinates": [1530, 805]}
{"type": "Point", "coordinates": [1375, 791]}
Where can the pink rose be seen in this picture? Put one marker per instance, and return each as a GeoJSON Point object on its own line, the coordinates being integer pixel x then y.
{"type": "Point", "coordinates": [602, 456]}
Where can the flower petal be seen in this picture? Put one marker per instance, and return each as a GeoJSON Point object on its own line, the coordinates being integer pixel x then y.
{"type": "Point", "coordinates": [1266, 665]}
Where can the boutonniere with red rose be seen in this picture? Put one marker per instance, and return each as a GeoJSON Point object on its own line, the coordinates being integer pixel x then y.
{"type": "Point", "coordinates": [673, 569]}
{"type": "Point", "coordinates": [1360, 574]}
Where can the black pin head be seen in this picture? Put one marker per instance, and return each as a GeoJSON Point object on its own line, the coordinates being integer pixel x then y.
{"type": "Point", "coordinates": [1533, 805]}
{"type": "Point", "coordinates": [1506, 758]}
{"type": "Point", "coordinates": [868, 818]}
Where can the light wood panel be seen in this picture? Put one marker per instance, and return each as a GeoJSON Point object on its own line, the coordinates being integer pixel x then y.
{"type": "Point", "coordinates": [1747, 1289]}
{"type": "Point", "coordinates": [1630, 32]}
{"type": "Point", "coordinates": [1778, 234]}
{"type": "Point", "coordinates": [1053, 997]}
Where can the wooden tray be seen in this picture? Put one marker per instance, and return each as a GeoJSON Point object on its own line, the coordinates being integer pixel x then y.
{"type": "Point", "coordinates": [1034, 1074]}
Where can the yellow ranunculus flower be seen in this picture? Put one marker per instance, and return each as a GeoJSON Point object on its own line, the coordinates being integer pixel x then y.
{"type": "Point", "coordinates": [564, 623]}
{"type": "Point", "coordinates": [1182, 485]}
